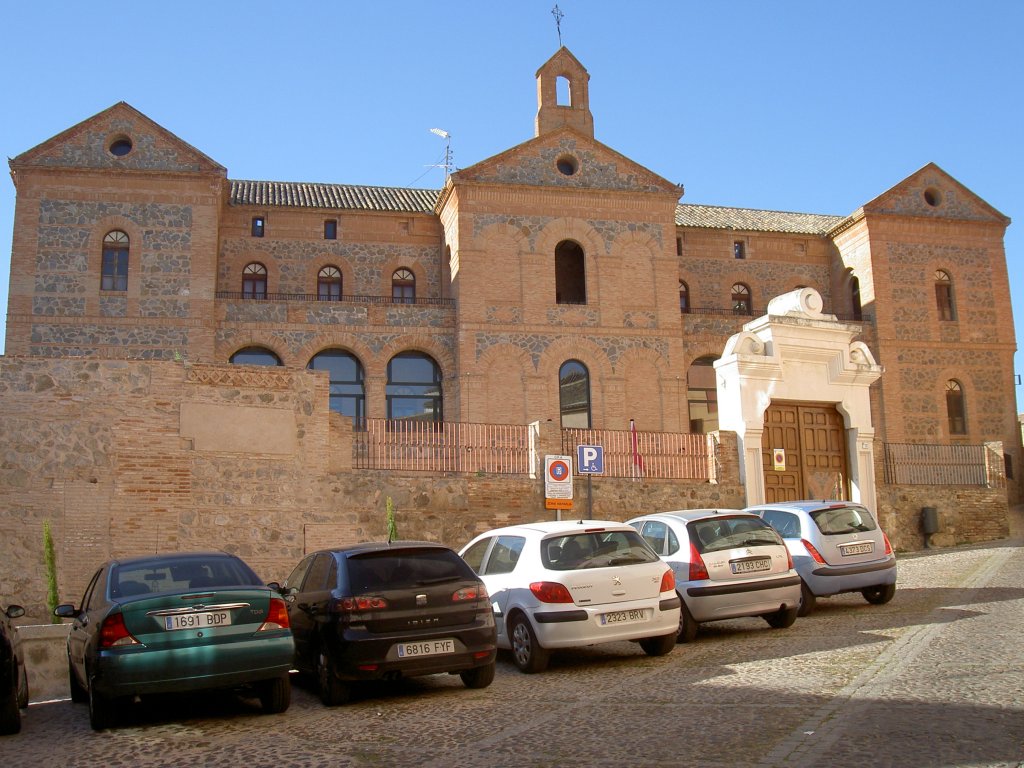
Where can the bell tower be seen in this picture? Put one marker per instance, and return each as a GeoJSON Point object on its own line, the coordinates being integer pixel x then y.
{"type": "Point", "coordinates": [551, 115]}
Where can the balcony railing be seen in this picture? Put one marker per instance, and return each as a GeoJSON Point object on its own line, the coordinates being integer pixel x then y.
{"type": "Point", "coordinates": [724, 312]}
{"type": "Point", "coordinates": [660, 455]}
{"type": "Point", "coordinates": [344, 299]}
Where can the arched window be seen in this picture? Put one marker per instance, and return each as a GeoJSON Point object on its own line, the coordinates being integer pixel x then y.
{"type": "Point", "coordinates": [348, 395]}
{"type": "Point", "coordinates": [403, 286]}
{"type": "Point", "coordinates": [684, 298]}
{"type": "Point", "coordinates": [254, 281]}
{"type": "Point", "coordinates": [944, 295]}
{"type": "Point", "coordinates": [741, 303]}
{"type": "Point", "coordinates": [328, 284]}
{"type": "Point", "coordinates": [414, 388]}
{"type": "Point", "coordinates": [255, 356]}
{"type": "Point", "coordinates": [574, 395]}
{"type": "Point", "coordinates": [702, 395]}
{"type": "Point", "coordinates": [114, 270]}
{"type": "Point", "coordinates": [858, 312]}
{"type": "Point", "coordinates": [570, 274]}
{"type": "Point", "coordinates": [956, 411]}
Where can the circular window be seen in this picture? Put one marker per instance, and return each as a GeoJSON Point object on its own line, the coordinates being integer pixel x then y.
{"type": "Point", "coordinates": [933, 197]}
{"type": "Point", "coordinates": [120, 146]}
{"type": "Point", "coordinates": [567, 165]}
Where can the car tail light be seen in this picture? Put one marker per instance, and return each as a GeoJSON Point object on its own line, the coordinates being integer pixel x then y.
{"type": "Point", "coordinates": [479, 592]}
{"type": "Point", "coordinates": [114, 634]}
{"type": "Point", "coordinates": [668, 582]}
{"type": "Point", "coordinates": [277, 616]}
{"type": "Point", "coordinates": [550, 592]}
{"type": "Point", "coordinates": [359, 603]}
{"type": "Point", "coordinates": [813, 552]}
{"type": "Point", "coordinates": [698, 571]}
{"type": "Point", "coordinates": [789, 559]}
{"type": "Point", "coordinates": [888, 546]}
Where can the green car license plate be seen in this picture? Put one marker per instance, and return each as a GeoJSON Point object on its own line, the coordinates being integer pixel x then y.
{"type": "Point", "coordinates": [202, 620]}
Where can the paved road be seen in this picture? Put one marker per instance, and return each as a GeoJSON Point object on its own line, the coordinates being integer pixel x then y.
{"type": "Point", "coordinates": [934, 678]}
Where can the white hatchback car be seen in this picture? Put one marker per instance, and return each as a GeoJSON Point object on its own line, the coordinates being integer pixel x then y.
{"type": "Point", "coordinates": [564, 584]}
{"type": "Point", "coordinates": [727, 564]}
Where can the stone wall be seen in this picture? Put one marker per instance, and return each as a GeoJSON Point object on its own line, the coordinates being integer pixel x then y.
{"type": "Point", "coordinates": [124, 458]}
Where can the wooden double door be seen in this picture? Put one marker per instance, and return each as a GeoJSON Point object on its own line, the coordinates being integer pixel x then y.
{"type": "Point", "coordinates": [803, 453]}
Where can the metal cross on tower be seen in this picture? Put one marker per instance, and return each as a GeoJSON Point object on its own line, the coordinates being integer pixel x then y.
{"type": "Point", "coordinates": [557, 13]}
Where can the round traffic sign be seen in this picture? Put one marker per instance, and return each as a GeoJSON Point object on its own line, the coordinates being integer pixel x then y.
{"type": "Point", "coordinates": [558, 470]}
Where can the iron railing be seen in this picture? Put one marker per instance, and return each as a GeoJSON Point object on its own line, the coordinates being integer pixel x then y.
{"type": "Point", "coordinates": [343, 299]}
{"type": "Point", "coordinates": [430, 446]}
{"type": "Point", "coordinates": [662, 455]}
{"type": "Point", "coordinates": [928, 464]}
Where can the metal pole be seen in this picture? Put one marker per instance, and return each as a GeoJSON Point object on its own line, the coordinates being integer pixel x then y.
{"type": "Point", "coordinates": [590, 497]}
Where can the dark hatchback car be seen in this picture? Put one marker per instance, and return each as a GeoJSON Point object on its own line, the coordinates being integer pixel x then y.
{"type": "Point", "coordinates": [177, 623]}
{"type": "Point", "coordinates": [385, 611]}
{"type": "Point", "coordinates": [13, 679]}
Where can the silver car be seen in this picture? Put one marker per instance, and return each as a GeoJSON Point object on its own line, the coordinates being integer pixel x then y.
{"type": "Point", "coordinates": [727, 564]}
{"type": "Point", "coordinates": [837, 547]}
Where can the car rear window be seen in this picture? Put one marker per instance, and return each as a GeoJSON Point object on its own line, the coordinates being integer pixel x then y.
{"type": "Point", "coordinates": [714, 533]}
{"type": "Point", "coordinates": [173, 574]}
{"type": "Point", "coordinates": [833, 521]}
{"type": "Point", "coordinates": [405, 569]}
{"type": "Point", "coordinates": [595, 549]}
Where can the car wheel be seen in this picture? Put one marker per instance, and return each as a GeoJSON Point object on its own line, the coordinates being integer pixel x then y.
{"type": "Point", "coordinates": [10, 715]}
{"type": "Point", "coordinates": [480, 677]}
{"type": "Point", "coordinates": [782, 618]}
{"type": "Point", "coordinates": [23, 689]}
{"type": "Point", "coordinates": [527, 652]}
{"type": "Point", "coordinates": [660, 645]}
{"type": "Point", "coordinates": [78, 694]}
{"type": "Point", "coordinates": [332, 691]}
{"type": "Point", "coordinates": [687, 624]}
{"type": "Point", "coordinates": [276, 695]}
{"type": "Point", "coordinates": [102, 712]}
{"type": "Point", "coordinates": [879, 595]}
{"type": "Point", "coordinates": [807, 600]}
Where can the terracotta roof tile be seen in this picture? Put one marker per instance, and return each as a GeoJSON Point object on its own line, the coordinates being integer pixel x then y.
{"type": "Point", "coordinates": [751, 220]}
{"type": "Point", "coordinates": [332, 196]}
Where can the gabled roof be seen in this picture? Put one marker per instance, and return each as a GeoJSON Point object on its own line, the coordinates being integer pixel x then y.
{"type": "Point", "coordinates": [534, 163]}
{"type": "Point", "coordinates": [933, 193]}
{"type": "Point", "coordinates": [752, 220]}
{"type": "Point", "coordinates": [332, 196]}
{"type": "Point", "coordinates": [86, 145]}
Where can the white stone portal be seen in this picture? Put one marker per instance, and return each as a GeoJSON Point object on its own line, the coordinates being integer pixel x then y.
{"type": "Point", "coordinates": [796, 353]}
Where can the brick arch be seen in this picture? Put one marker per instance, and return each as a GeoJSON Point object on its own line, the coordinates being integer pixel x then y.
{"type": "Point", "coordinates": [505, 230]}
{"type": "Point", "coordinates": [642, 355]}
{"type": "Point", "coordinates": [576, 230]}
{"type": "Point", "coordinates": [644, 239]}
{"type": "Point", "coordinates": [94, 251]}
{"type": "Point", "coordinates": [233, 265]}
{"type": "Point", "coordinates": [387, 270]}
{"type": "Point", "coordinates": [325, 340]}
{"type": "Point", "coordinates": [970, 391]}
{"type": "Point", "coordinates": [325, 259]}
{"type": "Point", "coordinates": [597, 363]}
{"type": "Point", "coordinates": [415, 343]}
{"type": "Point", "coordinates": [644, 373]}
{"type": "Point", "coordinates": [728, 280]}
{"type": "Point", "coordinates": [252, 340]}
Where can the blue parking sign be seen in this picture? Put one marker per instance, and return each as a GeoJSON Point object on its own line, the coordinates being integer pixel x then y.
{"type": "Point", "coordinates": [590, 459]}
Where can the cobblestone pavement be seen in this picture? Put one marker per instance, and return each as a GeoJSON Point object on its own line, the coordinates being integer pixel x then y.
{"type": "Point", "coordinates": [934, 678]}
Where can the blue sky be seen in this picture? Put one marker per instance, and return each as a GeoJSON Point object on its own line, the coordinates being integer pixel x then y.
{"type": "Point", "coordinates": [815, 107]}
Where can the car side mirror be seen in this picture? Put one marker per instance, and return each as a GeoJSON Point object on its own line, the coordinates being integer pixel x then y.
{"type": "Point", "coordinates": [14, 611]}
{"type": "Point", "coordinates": [66, 611]}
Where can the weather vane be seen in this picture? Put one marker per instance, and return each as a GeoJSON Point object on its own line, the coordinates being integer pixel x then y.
{"type": "Point", "coordinates": [557, 13]}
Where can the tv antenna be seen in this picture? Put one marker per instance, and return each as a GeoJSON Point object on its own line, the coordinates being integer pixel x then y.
{"type": "Point", "coordinates": [447, 165]}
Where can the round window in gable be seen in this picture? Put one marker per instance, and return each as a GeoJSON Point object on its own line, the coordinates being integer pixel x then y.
{"type": "Point", "coordinates": [933, 197]}
{"type": "Point", "coordinates": [567, 165]}
{"type": "Point", "coordinates": [120, 146]}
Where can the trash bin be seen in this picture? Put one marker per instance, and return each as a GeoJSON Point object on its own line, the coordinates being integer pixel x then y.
{"type": "Point", "coordinates": [929, 520]}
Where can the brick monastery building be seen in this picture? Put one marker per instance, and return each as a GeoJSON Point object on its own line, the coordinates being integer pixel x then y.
{"type": "Point", "coordinates": [558, 281]}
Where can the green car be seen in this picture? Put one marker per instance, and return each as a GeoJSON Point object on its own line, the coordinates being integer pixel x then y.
{"type": "Point", "coordinates": [175, 623]}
